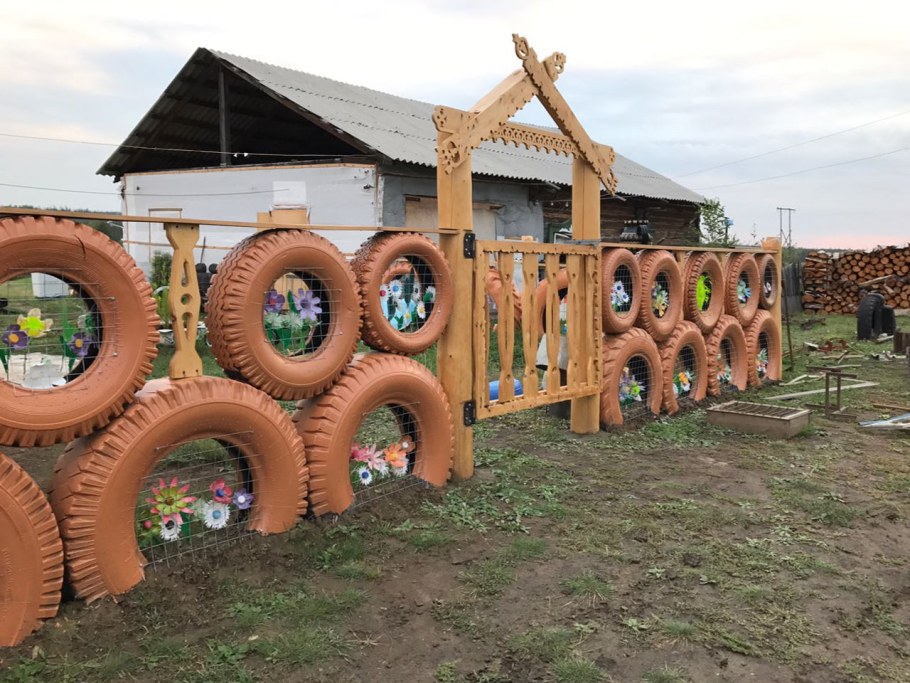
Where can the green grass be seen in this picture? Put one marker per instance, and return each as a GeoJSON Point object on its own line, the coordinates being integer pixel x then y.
{"type": "Point", "coordinates": [576, 669]}
{"type": "Point", "coordinates": [666, 674]}
{"type": "Point", "coordinates": [589, 586]}
{"type": "Point", "coordinates": [545, 643]}
{"type": "Point", "coordinates": [302, 644]}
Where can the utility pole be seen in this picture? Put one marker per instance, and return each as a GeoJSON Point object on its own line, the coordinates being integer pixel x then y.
{"type": "Point", "coordinates": [788, 242]}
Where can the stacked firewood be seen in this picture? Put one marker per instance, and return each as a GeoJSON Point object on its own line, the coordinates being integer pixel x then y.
{"type": "Point", "coordinates": [836, 285]}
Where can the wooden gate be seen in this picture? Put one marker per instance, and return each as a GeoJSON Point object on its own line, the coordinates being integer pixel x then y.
{"type": "Point", "coordinates": [555, 328]}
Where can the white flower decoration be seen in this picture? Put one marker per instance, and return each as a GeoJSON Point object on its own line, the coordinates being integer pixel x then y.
{"type": "Point", "coordinates": [365, 476]}
{"type": "Point", "coordinates": [215, 515]}
{"type": "Point", "coordinates": [395, 289]}
{"type": "Point", "coordinates": [170, 530]}
{"type": "Point", "coordinates": [421, 311]}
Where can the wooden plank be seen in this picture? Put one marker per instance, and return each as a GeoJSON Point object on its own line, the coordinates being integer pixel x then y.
{"type": "Point", "coordinates": [686, 247]}
{"type": "Point", "coordinates": [184, 301]}
{"type": "Point", "coordinates": [120, 218]}
{"type": "Point", "coordinates": [455, 351]}
{"type": "Point", "coordinates": [813, 392]}
{"type": "Point", "coordinates": [529, 323]}
{"type": "Point", "coordinates": [481, 329]}
{"type": "Point", "coordinates": [542, 399]}
{"type": "Point", "coordinates": [575, 332]}
{"type": "Point", "coordinates": [538, 247]}
{"type": "Point", "coordinates": [552, 318]}
{"type": "Point", "coordinates": [506, 329]}
{"type": "Point", "coordinates": [593, 319]}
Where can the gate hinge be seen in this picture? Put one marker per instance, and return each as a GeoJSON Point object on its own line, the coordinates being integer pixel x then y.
{"type": "Point", "coordinates": [470, 413]}
{"type": "Point", "coordinates": [470, 245]}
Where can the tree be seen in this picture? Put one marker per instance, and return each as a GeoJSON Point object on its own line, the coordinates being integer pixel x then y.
{"type": "Point", "coordinates": [715, 231]}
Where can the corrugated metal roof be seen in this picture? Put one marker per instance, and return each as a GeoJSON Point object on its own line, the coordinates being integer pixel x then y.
{"type": "Point", "coordinates": [402, 130]}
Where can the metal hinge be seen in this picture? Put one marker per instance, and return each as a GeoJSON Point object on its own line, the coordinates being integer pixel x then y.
{"type": "Point", "coordinates": [470, 245]}
{"type": "Point", "coordinates": [470, 413]}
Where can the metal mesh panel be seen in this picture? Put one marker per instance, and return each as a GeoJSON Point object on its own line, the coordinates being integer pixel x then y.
{"type": "Point", "coordinates": [744, 287]}
{"type": "Point", "coordinates": [635, 387]}
{"type": "Point", "coordinates": [623, 297]}
{"type": "Point", "coordinates": [727, 361]}
{"type": "Point", "coordinates": [660, 295]}
{"type": "Point", "coordinates": [408, 293]}
{"type": "Point", "coordinates": [685, 375]}
{"type": "Point", "coordinates": [297, 313]}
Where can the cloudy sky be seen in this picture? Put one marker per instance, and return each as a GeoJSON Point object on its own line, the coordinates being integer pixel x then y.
{"type": "Point", "coordinates": [684, 88]}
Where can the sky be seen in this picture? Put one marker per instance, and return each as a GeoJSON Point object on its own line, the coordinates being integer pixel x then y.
{"type": "Point", "coordinates": [683, 88]}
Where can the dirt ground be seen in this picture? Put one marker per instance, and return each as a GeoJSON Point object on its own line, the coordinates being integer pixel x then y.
{"type": "Point", "coordinates": [672, 551]}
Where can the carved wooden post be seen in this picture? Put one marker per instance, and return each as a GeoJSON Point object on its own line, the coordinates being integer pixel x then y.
{"type": "Point", "coordinates": [184, 300]}
{"type": "Point", "coordinates": [774, 244]}
{"type": "Point", "coordinates": [455, 352]}
{"type": "Point", "coordinates": [585, 417]}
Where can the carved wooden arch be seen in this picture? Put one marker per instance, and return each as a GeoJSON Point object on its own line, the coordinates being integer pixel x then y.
{"type": "Point", "coordinates": [462, 131]}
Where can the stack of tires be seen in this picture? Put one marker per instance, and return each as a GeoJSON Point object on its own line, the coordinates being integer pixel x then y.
{"type": "Point", "coordinates": [118, 427]}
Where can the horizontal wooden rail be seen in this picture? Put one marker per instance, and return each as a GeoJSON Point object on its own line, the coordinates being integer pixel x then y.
{"type": "Point", "coordinates": [88, 216]}
{"type": "Point", "coordinates": [683, 247]}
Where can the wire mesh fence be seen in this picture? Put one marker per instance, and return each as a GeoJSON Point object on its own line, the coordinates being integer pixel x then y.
{"type": "Point", "coordinates": [686, 374]}
{"type": "Point", "coordinates": [623, 297]}
{"type": "Point", "coordinates": [298, 313]}
{"type": "Point", "coordinates": [408, 293]}
{"type": "Point", "coordinates": [728, 364]}
{"type": "Point", "coordinates": [660, 295]}
{"type": "Point", "coordinates": [635, 387]}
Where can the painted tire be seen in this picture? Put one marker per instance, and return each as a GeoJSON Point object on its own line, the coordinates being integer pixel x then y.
{"type": "Point", "coordinates": [685, 336]}
{"type": "Point", "coordinates": [729, 329]}
{"type": "Point", "coordinates": [618, 351]}
{"type": "Point", "coordinates": [656, 266]}
{"type": "Point", "coordinates": [108, 276]}
{"type": "Point", "coordinates": [562, 284]}
{"type": "Point", "coordinates": [705, 317]}
{"type": "Point", "coordinates": [31, 555]}
{"type": "Point", "coordinates": [619, 265]}
{"type": "Point", "coordinates": [763, 325]}
{"type": "Point", "coordinates": [493, 286]}
{"type": "Point", "coordinates": [741, 266]}
{"type": "Point", "coordinates": [770, 282]}
{"type": "Point", "coordinates": [97, 480]}
{"type": "Point", "coordinates": [329, 423]}
{"type": "Point", "coordinates": [235, 312]}
{"type": "Point", "coordinates": [374, 261]}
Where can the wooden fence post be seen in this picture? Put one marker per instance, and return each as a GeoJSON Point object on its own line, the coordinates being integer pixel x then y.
{"type": "Point", "coordinates": [585, 416]}
{"type": "Point", "coordinates": [184, 301]}
{"type": "Point", "coordinates": [455, 351]}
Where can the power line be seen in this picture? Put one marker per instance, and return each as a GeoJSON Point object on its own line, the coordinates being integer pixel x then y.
{"type": "Point", "coordinates": [796, 144]}
{"type": "Point", "coordinates": [805, 170]}
{"type": "Point", "coordinates": [175, 149]}
{"type": "Point", "coordinates": [141, 194]}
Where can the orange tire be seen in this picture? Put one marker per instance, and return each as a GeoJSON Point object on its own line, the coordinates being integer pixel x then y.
{"type": "Point", "coordinates": [726, 348]}
{"type": "Point", "coordinates": [619, 350]}
{"type": "Point", "coordinates": [562, 284]}
{"type": "Point", "coordinates": [741, 267]}
{"type": "Point", "coordinates": [620, 285]}
{"type": "Point", "coordinates": [235, 312]}
{"type": "Point", "coordinates": [108, 276]}
{"type": "Point", "coordinates": [31, 555]}
{"type": "Point", "coordinates": [329, 423]}
{"type": "Point", "coordinates": [686, 341]}
{"type": "Point", "coordinates": [379, 256]}
{"type": "Point", "coordinates": [659, 269]}
{"type": "Point", "coordinates": [493, 285]}
{"type": "Point", "coordinates": [763, 333]}
{"type": "Point", "coordinates": [97, 480]}
{"type": "Point", "coordinates": [770, 282]}
{"type": "Point", "coordinates": [705, 316]}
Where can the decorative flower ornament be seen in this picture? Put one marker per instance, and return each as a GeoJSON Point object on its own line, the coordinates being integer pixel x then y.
{"type": "Point", "coordinates": [395, 289]}
{"type": "Point", "coordinates": [243, 499]}
{"type": "Point", "coordinates": [395, 456]}
{"type": "Point", "coordinates": [33, 325]}
{"type": "Point", "coordinates": [170, 530]}
{"type": "Point", "coordinates": [15, 337]}
{"type": "Point", "coordinates": [703, 291]}
{"type": "Point", "coordinates": [215, 515]}
{"type": "Point", "coordinates": [429, 294]}
{"type": "Point", "coordinates": [80, 343]}
{"type": "Point", "coordinates": [171, 501]}
{"type": "Point", "coordinates": [274, 302]}
{"type": "Point", "coordinates": [384, 290]}
{"type": "Point", "coordinates": [660, 300]}
{"type": "Point", "coordinates": [761, 362]}
{"type": "Point", "coordinates": [221, 492]}
{"type": "Point", "coordinates": [364, 476]}
{"type": "Point", "coordinates": [307, 304]}
{"type": "Point", "coordinates": [630, 389]}
{"type": "Point", "coordinates": [682, 383]}
{"type": "Point", "coordinates": [743, 292]}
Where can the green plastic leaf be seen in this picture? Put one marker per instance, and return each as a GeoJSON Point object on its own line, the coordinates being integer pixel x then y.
{"type": "Point", "coordinates": [292, 304]}
{"type": "Point", "coordinates": [4, 358]}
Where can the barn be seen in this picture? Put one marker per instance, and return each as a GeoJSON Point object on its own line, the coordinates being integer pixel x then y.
{"type": "Point", "coordinates": [233, 138]}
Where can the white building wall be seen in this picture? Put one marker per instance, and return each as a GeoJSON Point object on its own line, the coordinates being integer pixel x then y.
{"type": "Point", "coordinates": [334, 194]}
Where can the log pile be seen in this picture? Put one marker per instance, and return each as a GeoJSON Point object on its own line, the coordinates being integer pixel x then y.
{"type": "Point", "coordinates": [836, 285]}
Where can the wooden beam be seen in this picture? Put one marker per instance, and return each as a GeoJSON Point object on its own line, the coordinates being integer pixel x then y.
{"type": "Point", "coordinates": [224, 121]}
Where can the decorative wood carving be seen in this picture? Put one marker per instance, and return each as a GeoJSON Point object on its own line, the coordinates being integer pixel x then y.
{"type": "Point", "coordinates": [184, 301]}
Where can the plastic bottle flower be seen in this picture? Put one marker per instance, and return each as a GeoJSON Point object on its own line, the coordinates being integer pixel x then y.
{"type": "Point", "coordinates": [421, 310]}
{"type": "Point", "coordinates": [215, 514]}
{"type": "Point", "coordinates": [384, 291]}
{"type": "Point", "coordinates": [149, 530]}
{"type": "Point", "coordinates": [618, 295]}
{"type": "Point", "coordinates": [221, 492]}
{"type": "Point", "coordinates": [307, 305]}
{"type": "Point", "coordinates": [395, 289]}
{"type": "Point", "coordinates": [703, 291]}
{"type": "Point", "coordinates": [80, 343]}
{"type": "Point", "coordinates": [171, 502]}
{"type": "Point", "coordinates": [768, 287]}
{"type": "Point", "coordinates": [33, 325]}
{"type": "Point", "coordinates": [170, 530]}
{"type": "Point", "coordinates": [15, 337]}
{"type": "Point", "coordinates": [376, 462]}
{"type": "Point", "coordinates": [363, 454]}
{"type": "Point", "coordinates": [761, 362]}
{"type": "Point", "coordinates": [243, 499]}
{"type": "Point", "coordinates": [725, 374]}
{"type": "Point", "coordinates": [429, 294]}
{"type": "Point", "coordinates": [274, 301]}
{"type": "Point", "coordinates": [682, 383]}
{"type": "Point", "coordinates": [743, 292]}
{"type": "Point", "coordinates": [660, 300]}
{"type": "Point", "coordinates": [630, 389]}
{"type": "Point", "coordinates": [364, 476]}
{"type": "Point", "coordinates": [396, 457]}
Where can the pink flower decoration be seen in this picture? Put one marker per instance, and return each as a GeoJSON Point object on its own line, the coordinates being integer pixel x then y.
{"type": "Point", "coordinates": [221, 492]}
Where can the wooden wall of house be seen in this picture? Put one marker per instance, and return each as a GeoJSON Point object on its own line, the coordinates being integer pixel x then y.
{"type": "Point", "coordinates": [671, 222]}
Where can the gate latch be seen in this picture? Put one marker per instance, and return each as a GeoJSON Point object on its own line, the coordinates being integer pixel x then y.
{"type": "Point", "coordinates": [470, 413]}
{"type": "Point", "coordinates": [470, 244]}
